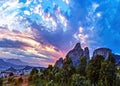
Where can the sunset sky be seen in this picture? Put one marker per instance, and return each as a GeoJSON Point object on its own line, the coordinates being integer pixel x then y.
{"type": "Point", "coordinates": [41, 31]}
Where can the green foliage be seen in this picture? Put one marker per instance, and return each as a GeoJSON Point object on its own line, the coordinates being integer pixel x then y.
{"type": "Point", "coordinates": [93, 69]}
{"type": "Point", "coordinates": [34, 71]}
{"type": "Point", "coordinates": [107, 74]}
{"type": "Point", "coordinates": [111, 58]}
{"type": "Point", "coordinates": [33, 75]}
{"type": "Point", "coordinates": [82, 66]}
{"type": "Point", "coordinates": [78, 80]}
{"type": "Point", "coordinates": [98, 72]}
{"type": "Point", "coordinates": [67, 70]}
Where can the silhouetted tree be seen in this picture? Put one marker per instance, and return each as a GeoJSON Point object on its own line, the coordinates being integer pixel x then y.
{"type": "Point", "coordinates": [93, 69]}
{"type": "Point", "coordinates": [82, 66]}
{"type": "Point", "coordinates": [111, 58]}
{"type": "Point", "coordinates": [68, 69]}
{"type": "Point", "coordinates": [78, 80]}
{"type": "Point", "coordinates": [107, 74]}
{"type": "Point", "coordinates": [33, 75]}
{"type": "Point", "coordinates": [34, 71]}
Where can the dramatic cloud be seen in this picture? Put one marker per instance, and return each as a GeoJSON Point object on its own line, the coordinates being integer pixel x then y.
{"type": "Point", "coordinates": [44, 30]}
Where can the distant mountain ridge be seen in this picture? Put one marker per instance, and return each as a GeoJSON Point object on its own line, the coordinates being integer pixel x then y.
{"type": "Point", "coordinates": [5, 65]}
{"type": "Point", "coordinates": [15, 64]}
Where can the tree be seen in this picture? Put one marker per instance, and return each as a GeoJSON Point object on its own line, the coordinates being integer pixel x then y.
{"type": "Point", "coordinates": [33, 75]}
{"type": "Point", "coordinates": [78, 80]}
{"type": "Point", "coordinates": [112, 69]}
{"type": "Point", "coordinates": [34, 71]}
{"type": "Point", "coordinates": [48, 73]}
{"type": "Point", "coordinates": [111, 58]}
{"type": "Point", "coordinates": [93, 69]}
{"type": "Point", "coordinates": [82, 66]}
{"type": "Point", "coordinates": [50, 67]}
{"type": "Point", "coordinates": [68, 69]}
{"type": "Point", "coordinates": [103, 74]}
{"type": "Point", "coordinates": [107, 74]}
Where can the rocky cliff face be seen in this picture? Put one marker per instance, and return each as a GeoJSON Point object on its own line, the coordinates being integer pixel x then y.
{"type": "Point", "coordinates": [102, 51]}
{"type": "Point", "coordinates": [75, 55]}
{"type": "Point", "coordinates": [117, 59]}
{"type": "Point", "coordinates": [86, 53]}
{"type": "Point", "coordinates": [59, 63]}
{"type": "Point", "coordinates": [77, 52]}
{"type": "Point", "coordinates": [105, 52]}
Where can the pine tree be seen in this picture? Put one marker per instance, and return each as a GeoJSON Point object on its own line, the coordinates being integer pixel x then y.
{"type": "Point", "coordinates": [82, 66]}
{"type": "Point", "coordinates": [93, 69]}
{"type": "Point", "coordinates": [68, 69]}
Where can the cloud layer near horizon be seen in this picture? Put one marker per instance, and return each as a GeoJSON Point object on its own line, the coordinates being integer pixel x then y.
{"type": "Point", "coordinates": [41, 31]}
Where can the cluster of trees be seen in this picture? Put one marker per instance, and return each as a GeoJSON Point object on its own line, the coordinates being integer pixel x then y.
{"type": "Point", "coordinates": [11, 81]}
{"type": "Point", "coordinates": [97, 72]}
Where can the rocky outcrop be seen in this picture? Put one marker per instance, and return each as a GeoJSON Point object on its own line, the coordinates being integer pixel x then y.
{"type": "Point", "coordinates": [102, 51]}
{"type": "Point", "coordinates": [105, 52]}
{"type": "Point", "coordinates": [59, 63]}
{"type": "Point", "coordinates": [86, 53]}
{"type": "Point", "coordinates": [76, 53]}
{"type": "Point", "coordinates": [117, 59]}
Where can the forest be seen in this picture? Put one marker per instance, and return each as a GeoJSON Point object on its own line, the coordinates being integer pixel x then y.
{"type": "Point", "coordinates": [96, 72]}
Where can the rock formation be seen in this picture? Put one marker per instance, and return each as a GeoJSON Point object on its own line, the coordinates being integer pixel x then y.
{"type": "Point", "coordinates": [117, 59]}
{"type": "Point", "coordinates": [102, 51]}
{"type": "Point", "coordinates": [75, 54]}
{"type": "Point", "coordinates": [59, 63]}
{"type": "Point", "coordinates": [86, 53]}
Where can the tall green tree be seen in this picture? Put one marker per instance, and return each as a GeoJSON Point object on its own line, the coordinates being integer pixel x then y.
{"type": "Point", "coordinates": [111, 58]}
{"type": "Point", "coordinates": [82, 66]}
{"type": "Point", "coordinates": [33, 75]}
{"type": "Point", "coordinates": [107, 74]}
{"type": "Point", "coordinates": [78, 80]}
{"type": "Point", "coordinates": [111, 78]}
{"type": "Point", "coordinates": [93, 69]}
{"type": "Point", "coordinates": [34, 71]}
{"type": "Point", "coordinates": [68, 69]}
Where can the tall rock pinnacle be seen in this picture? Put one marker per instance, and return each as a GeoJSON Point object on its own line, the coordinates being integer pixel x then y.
{"type": "Point", "coordinates": [77, 46]}
{"type": "Point", "coordinates": [86, 53]}
{"type": "Point", "coordinates": [75, 54]}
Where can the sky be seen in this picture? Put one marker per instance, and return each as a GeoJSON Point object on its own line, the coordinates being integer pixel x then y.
{"type": "Point", "coordinates": [42, 31]}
